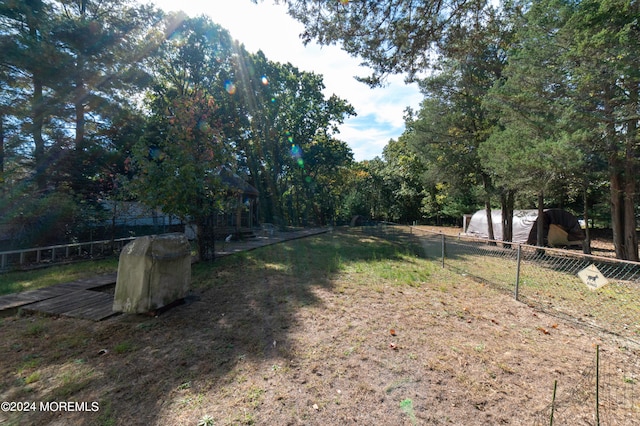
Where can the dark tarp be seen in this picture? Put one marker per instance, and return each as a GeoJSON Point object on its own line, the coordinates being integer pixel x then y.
{"type": "Point", "coordinates": [561, 228]}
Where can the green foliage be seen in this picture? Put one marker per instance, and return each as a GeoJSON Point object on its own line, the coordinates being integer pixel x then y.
{"type": "Point", "coordinates": [206, 420]}
{"type": "Point", "coordinates": [530, 148]}
{"type": "Point", "coordinates": [178, 159]}
{"type": "Point", "coordinates": [404, 37]}
{"type": "Point", "coordinates": [406, 405]}
{"type": "Point", "coordinates": [288, 148]}
{"type": "Point", "coordinates": [540, 95]}
{"type": "Point", "coordinates": [452, 124]}
{"type": "Point", "coordinates": [562, 111]}
{"type": "Point", "coordinates": [324, 177]}
{"type": "Point", "coordinates": [124, 347]}
{"type": "Point", "coordinates": [69, 70]}
{"type": "Point", "coordinates": [402, 173]}
{"type": "Point", "coordinates": [217, 105]}
{"type": "Point", "coordinates": [41, 219]}
{"type": "Point", "coordinates": [366, 194]}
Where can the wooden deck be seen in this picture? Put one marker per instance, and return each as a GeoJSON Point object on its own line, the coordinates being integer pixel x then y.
{"type": "Point", "coordinates": [82, 298]}
{"type": "Point", "coordinates": [11, 303]}
{"type": "Point", "coordinates": [85, 304]}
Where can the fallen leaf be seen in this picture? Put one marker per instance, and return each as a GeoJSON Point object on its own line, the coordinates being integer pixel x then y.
{"type": "Point", "coordinates": [554, 326]}
{"type": "Point", "coordinates": [392, 332]}
{"type": "Point", "coordinates": [543, 330]}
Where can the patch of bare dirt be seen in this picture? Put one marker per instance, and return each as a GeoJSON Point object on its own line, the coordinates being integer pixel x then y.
{"type": "Point", "coordinates": [270, 348]}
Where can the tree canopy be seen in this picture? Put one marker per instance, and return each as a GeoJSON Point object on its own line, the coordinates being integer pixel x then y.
{"type": "Point", "coordinates": [525, 104]}
{"type": "Point", "coordinates": [113, 100]}
{"type": "Point", "coordinates": [558, 91]}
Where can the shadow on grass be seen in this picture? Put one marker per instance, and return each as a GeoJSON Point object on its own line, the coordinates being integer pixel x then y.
{"type": "Point", "coordinates": [140, 368]}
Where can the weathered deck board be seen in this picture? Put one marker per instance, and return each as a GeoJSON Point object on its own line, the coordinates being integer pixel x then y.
{"type": "Point", "coordinates": [86, 304]}
{"type": "Point", "coordinates": [17, 300]}
{"type": "Point", "coordinates": [11, 302]}
{"type": "Point", "coordinates": [91, 282]}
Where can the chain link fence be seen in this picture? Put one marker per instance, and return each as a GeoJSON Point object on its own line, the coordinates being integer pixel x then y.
{"type": "Point", "coordinates": [594, 291]}
{"type": "Point", "coordinates": [591, 291]}
{"type": "Point", "coordinates": [604, 395]}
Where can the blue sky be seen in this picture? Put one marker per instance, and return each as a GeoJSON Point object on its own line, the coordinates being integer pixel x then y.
{"type": "Point", "coordinates": [267, 27]}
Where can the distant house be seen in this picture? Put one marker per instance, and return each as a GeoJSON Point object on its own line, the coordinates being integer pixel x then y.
{"type": "Point", "coordinates": [133, 213]}
{"type": "Point", "coordinates": [238, 216]}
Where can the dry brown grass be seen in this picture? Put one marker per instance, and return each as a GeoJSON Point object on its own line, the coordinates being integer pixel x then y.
{"type": "Point", "coordinates": [300, 333]}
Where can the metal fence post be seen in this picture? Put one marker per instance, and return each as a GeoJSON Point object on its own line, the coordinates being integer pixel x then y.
{"type": "Point", "coordinates": [442, 235]}
{"type": "Point", "coordinates": [597, 385]}
{"type": "Point", "coordinates": [517, 287]}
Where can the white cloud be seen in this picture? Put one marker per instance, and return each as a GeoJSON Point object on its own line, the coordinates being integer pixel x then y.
{"type": "Point", "coordinates": [267, 27]}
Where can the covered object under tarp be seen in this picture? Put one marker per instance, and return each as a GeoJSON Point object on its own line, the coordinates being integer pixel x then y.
{"type": "Point", "coordinates": [561, 228]}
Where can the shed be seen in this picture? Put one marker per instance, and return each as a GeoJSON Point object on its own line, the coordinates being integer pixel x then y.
{"type": "Point", "coordinates": [561, 228]}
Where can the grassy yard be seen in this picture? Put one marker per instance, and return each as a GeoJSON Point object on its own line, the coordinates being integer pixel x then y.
{"type": "Point", "coordinates": [341, 328]}
{"type": "Point", "coordinates": [16, 281]}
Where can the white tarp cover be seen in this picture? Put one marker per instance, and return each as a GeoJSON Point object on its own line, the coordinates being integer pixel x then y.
{"type": "Point", "coordinates": [561, 227]}
{"type": "Point", "coordinates": [153, 271]}
{"type": "Point", "coordinates": [523, 221]}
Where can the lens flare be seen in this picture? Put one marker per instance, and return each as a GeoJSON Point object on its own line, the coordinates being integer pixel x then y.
{"type": "Point", "coordinates": [296, 152]}
{"type": "Point", "coordinates": [230, 87]}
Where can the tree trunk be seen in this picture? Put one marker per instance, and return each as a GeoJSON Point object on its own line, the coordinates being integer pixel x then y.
{"type": "Point", "coordinates": [258, 183]}
{"type": "Point", "coordinates": [2, 178]}
{"type": "Point", "coordinates": [487, 207]}
{"type": "Point", "coordinates": [37, 108]}
{"type": "Point", "coordinates": [621, 188]}
{"type": "Point", "coordinates": [507, 202]}
{"type": "Point", "coordinates": [586, 244]}
{"type": "Point", "coordinates": [80, 121]}
{"type": "Point", "coordinates": [623, 219]}
{"type": "Point", "coordinates": [272, 198]}
{"type": "Point", "coordinates": [239, 208]}
{"type": "Point", "coordinates": [617, 213]}
{"type": "Point", "coordinates": [630, 223]}
{"type": "Point", "coordinates": [540, 221]}
{"type": "Point", "coordinates": [206, 238]}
